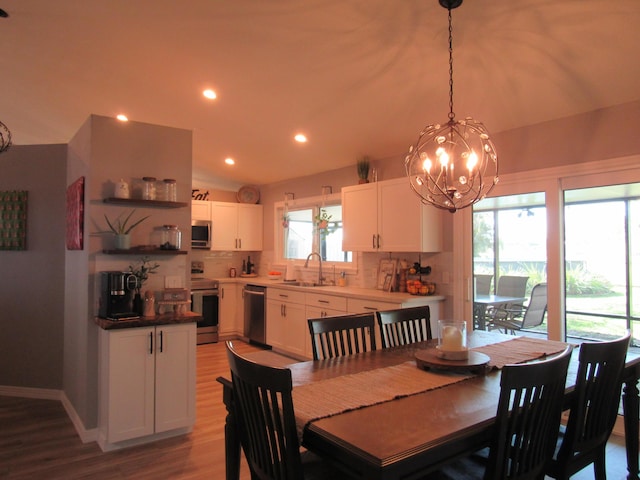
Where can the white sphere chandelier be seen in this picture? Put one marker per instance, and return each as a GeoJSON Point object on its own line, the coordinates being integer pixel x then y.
{"type": "Point", "coordinates": [452, 165]}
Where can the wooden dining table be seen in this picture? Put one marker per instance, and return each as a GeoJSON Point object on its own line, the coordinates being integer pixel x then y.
{"type": "Point", "coordinates": [409, 436]}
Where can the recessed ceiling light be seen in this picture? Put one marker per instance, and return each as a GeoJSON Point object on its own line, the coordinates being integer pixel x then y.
{"type": "Point", "coordinates": [122, 117]}
{"type": "Point", "coordinates": [209, 94]}
{"type": "Point", "coordinates": [300, 138]}
{"type": "Point", "coordinates": [229, 161]}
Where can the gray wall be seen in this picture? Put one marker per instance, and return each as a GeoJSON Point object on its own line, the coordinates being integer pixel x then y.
{"type": "Point", "coordinates": [32, 281]}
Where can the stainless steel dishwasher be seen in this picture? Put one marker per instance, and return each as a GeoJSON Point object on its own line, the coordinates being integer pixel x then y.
{"type": "Point", "coordinates": [254, 313]}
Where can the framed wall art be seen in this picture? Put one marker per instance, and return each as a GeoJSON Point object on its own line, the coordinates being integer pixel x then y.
{"type": "Point", "coordinates": [13, 220]}
{"type": "Point", "coordinates": [75, 215]}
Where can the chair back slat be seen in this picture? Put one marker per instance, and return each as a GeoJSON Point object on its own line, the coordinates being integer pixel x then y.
{"type": "Point", "coordinates": [527, 419]}
{"type": "Point", "coordinates": [404, 325]}
{"type": "Point", "coordinates": [342, 335]}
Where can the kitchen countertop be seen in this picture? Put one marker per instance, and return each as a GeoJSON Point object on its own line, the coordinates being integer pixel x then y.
{"type": "Point", "coordinates": [162, 319]}
{"type": "Point", "coordinates": [404, 298]}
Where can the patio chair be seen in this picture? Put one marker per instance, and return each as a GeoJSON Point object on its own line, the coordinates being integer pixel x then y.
{"type": "Point", "coordinates": [508, 318]}
{"type": "Point", "coordinates": [342, 335]}
{"type": "Point", "coordinates": [593, 409]}
{"type": "Point", "coordinates": [404, 325]}
{"type": "Point", "coordinates": [266, 423]}
{"type": "Point", "coordinates": [482, 284]}
{"type": "Point", "coordinates": [510, 286]}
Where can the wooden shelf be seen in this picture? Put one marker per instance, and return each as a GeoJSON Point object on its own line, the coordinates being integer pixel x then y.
{"type": "Point", "coordinates": [140, 251]}
{"type": "Point", "coordinates": [145, 203]}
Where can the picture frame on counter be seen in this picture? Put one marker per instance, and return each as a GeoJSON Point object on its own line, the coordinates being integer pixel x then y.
{"type": "Point", "coordinates": [387, 274]}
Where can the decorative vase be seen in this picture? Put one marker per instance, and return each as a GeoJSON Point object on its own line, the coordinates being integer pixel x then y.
{"type": "Point", "coordinates": [138, 304]}
{"type": "Point", "coordinates": [123, 241]}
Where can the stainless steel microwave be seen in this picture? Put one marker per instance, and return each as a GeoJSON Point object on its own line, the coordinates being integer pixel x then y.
{"type": "Point", "coordinates": [201, 234]}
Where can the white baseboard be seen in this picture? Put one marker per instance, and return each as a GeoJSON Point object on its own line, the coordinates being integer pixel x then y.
{"type": "Point", "coordinates": [27, 392]}
{"type": "Point", "coordinates": [85, 435]}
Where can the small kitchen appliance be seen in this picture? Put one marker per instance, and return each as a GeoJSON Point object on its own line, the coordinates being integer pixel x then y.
{"type": "Point", "coordinates": [116, 295]}
{"type": "Point", "coordinates": [201, 234]}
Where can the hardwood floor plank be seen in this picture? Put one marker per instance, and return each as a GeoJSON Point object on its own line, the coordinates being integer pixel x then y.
{"type": "Point", "coordinates": [38, 441]}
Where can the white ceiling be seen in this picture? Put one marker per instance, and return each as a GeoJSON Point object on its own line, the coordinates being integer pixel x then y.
{"type": "Point", "coordinates": [359, 77]}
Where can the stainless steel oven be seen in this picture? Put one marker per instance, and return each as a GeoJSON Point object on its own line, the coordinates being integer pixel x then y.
{"type": "Point", "coordinates": [205, 300]}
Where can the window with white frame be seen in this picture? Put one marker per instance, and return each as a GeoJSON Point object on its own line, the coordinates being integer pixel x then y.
{"type": "Point", "coordinates": [309, 225]}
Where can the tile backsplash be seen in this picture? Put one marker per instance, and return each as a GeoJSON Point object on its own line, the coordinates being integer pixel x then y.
{"type": "Point", "coordinates": [217, 265]}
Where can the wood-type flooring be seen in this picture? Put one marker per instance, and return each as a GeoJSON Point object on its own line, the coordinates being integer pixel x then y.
{"type": "Point", "coordinates": [38, 441]}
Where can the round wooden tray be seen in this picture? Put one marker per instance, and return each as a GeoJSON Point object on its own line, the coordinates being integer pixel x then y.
{"type": "Point", "coordinates": [476, 363]}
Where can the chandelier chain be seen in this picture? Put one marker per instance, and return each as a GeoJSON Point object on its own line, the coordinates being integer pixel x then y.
{"type": "Point", "coordinates": [451, 114]}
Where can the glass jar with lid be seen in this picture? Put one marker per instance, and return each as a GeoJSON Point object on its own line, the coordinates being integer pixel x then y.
{"type": "Point", "coordinates": [148, 188]}
{"type": "Point", "coordinates": [170, 190]}
{"type": "Point", "coordinates": [171, 237]}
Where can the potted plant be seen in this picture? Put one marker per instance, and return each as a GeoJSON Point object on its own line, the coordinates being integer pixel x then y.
{"type": "Point", "coordinates": [122, 229]}
{"type": "Point", "coordinates": [363, 170]}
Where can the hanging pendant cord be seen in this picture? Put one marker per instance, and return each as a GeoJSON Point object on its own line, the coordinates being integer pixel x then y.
{"type": "Point", "coordinates": [451, 114]}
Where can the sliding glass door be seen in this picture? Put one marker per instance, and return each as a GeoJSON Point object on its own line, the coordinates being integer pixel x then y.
{"type": "Point", "coordinates": [602, 261]}
{"type": "Point", "coordinates": [509, 240]}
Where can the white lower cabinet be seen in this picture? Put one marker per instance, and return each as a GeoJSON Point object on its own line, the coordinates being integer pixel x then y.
{"type": "Point", "coordinates": [228, 314]}
{"type": "Point", "coordinates": [358, 305]}
{"type": "Point", "coordinates": [147, 384]}
{"type": "Point", "coordinates": [286, 321]}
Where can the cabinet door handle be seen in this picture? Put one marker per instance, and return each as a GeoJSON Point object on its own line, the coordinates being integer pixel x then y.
{"type": "Point", "coordinates": [161, 340]}
{"type": "Point", "coordinates": [239, 243]}
{"type": "Point", "coordinates": [378, 237]}
{"type": "Point", "coordinates": [284, 309]}
{"type": "Point", "coordinates": [373, 241]}
{"type": "Point", "coordinates": [222, 292]}
{"type": "Point", "coordinates": [324, 301]}
{"type": "Point", "coordinates": [370, 308]}
{"type": "Point", "coordinates": [150, 343]}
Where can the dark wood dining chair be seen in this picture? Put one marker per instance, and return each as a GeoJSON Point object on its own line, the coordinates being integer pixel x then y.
{"type": "Point", "coordinates": [593, 409]}
{"type": "Point", "coordinates": [404, 325]}
{"type": "Point", "coordinates": [526, 427]}
{"type": "Point", "coordinates": [508, 319]}
{"type": "Point", "coordinates": [528, 418]}
{"type": "Point", "coordinates": [342, 335]}
{"type": "Point", "coordinates": [266, 423]}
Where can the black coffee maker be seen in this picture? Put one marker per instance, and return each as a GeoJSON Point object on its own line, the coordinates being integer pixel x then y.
{"type": "Point", "coordinates": [116, 295]}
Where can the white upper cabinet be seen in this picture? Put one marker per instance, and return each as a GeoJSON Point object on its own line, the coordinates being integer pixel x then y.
{"type": "Point", "coordinates": [236, 226]}
{"type": "Point", "coordinates": [387, 216]}
{"type": "Point", "coordinates": [200, 210]}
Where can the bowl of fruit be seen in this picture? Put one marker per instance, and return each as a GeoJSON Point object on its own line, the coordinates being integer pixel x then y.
{"type": "Point", "coordinates": [418, 287]}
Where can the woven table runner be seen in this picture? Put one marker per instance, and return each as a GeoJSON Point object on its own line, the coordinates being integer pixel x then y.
{"type": "Point", "coordinates": [349, 392]}
{"type": "Point", "coordinates": [519, 350]}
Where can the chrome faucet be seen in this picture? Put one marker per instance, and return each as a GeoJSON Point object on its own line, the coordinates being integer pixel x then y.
{"type": "Point", "coordinates": [306, 264]}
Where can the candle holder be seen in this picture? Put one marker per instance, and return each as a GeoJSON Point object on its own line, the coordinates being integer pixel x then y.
{"type": "Point", "coordinates": [452, 340]}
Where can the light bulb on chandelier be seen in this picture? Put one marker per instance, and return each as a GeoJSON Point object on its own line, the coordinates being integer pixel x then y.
{"type": "Point", "coordinates": [452, 166]}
